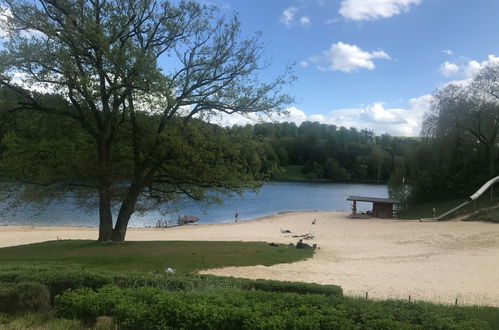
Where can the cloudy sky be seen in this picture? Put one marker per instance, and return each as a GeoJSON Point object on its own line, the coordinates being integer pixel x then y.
{"type": "Point", "coordinates": [371, 63]}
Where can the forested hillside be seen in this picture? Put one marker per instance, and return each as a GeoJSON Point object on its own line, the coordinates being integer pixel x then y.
{"type": "Point", "coordinates": [336, 153]}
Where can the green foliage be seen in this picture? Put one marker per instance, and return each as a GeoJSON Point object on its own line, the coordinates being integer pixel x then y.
{"type": "Point", "coordinates": [291, 173]}
{"type": "Point", "coordinates": [334, 171]}
{"type": "Point", "coordinates": [187, 300]}
{"type": "Point", "coordinates": [130, 121]}
{"type": "Point", "coordinates": [59, 278]}
{"type": "Point", "coordinates": [296, 287]}
{"type": "Point", "coordinates": [461, 131]}
{"type": "Point", "coordinates": [229, 309]}
{"type": "Point", "coordinates": [326, 152]}
{"type": "Point", "coordinates": [24, 297]}
{"type": "Point", "coordinates": [38, 321]}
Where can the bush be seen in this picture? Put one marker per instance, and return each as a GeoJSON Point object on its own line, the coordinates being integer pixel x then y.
{"type": "Point", "coordinates": [60, 278]}
{"type": "Point", "coordinates": [297, 287]}
{"type": "Point", "coordinates": [24, 297]}
{"type": "Point", "coordinates": [148, 308]}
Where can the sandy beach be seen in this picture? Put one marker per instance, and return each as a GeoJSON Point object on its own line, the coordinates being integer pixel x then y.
{"type": "Point", "coordinates": [431, 261]}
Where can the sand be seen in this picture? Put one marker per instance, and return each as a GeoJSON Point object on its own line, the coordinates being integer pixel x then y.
{"type": "Point", "coordinates": [431, 261]}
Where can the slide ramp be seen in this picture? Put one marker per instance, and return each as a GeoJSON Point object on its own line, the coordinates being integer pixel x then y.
{"type": "Point", "coordinates": [473, 197]}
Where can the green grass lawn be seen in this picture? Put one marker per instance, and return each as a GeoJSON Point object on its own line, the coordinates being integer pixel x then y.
{"type": "Point", "coordinates": [152, 256]}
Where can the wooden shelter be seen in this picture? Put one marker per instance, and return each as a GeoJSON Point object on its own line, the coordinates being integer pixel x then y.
{"type": "Point", "coordinates": [382, 207]}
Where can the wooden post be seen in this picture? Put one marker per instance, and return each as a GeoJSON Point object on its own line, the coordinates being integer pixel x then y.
{"type": "Point", "coordinates": [367, 295]}
{"type": "Point", "coordinates": [409, 298]}
{"type": "Point", "coordinates": [455, 304]}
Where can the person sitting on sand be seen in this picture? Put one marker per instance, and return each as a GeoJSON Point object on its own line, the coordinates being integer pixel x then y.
{"type": "Point", "coordinates": [301, 245]}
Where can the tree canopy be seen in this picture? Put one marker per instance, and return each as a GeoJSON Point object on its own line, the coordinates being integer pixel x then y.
{"type": "Point", "coordinates": [100, 63]}
{"type": "Point", "coordinates": [461, 132]}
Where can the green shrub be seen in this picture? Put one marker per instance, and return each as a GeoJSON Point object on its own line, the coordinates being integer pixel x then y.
{"type": "Point", "coordinates": [61, 278]}
{"type": "Point", "coordinates": [148, 308]}
{"type": "Point", "coordinates": [24, 297]}
{"type": "Point", "coordinates": [297, 287]}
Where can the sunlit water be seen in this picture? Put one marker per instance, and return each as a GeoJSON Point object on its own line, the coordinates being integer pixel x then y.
{"type": "Point", "coordinates": [270, 199]}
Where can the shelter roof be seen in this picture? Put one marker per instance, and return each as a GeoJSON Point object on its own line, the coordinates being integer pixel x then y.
{"type": "Point", "coordinates": [373, 199]}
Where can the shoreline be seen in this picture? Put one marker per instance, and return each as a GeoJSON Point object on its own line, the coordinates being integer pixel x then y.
{"type": "Point", "coordinates": [389, 259]}
{"type": "Point", "coordinates": [191, 224]}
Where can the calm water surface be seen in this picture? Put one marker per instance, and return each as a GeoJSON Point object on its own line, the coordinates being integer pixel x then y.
{"type": "Point", "coordinates": [269, 200]}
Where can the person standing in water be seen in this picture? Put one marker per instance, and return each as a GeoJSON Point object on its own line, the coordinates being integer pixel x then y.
{"type": "Point", "coordinates": [236, 215]}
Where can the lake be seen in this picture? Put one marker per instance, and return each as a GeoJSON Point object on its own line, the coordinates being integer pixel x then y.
{"type": "Point", "coordinates": [270, 199]}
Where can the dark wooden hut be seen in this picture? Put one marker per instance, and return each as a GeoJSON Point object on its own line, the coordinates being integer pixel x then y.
{"type": "Point", "coordinates": [382, 207]}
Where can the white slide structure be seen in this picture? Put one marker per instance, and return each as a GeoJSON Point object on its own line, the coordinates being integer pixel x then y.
{"type": "Point", "coordinates": [477, 194]}
{"type": "Point", "coordinates": [482, 189]}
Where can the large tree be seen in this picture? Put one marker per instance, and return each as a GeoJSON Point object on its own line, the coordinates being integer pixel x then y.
{"type": "Point", "coordinates": [103, 58]}
{"type": "Point", "coordinates": [469, 112]}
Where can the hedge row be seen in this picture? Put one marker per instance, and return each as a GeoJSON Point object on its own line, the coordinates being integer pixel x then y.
{"type": "Point", "coordinates": [149, 308]}
{"type": "Point", "coordinates": [23, 297]}
{"type": "Point", "coordinates": [60, 278]}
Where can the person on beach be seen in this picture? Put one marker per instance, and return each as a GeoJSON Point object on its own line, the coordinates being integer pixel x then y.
{"type": "Point", "coordinates": [236, 215]}
{"type": "Point", "coordinates": [301, 245]}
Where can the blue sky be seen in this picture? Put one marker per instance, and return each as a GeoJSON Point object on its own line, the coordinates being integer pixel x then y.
{"type": "Point", "coordinates": [370, 63]}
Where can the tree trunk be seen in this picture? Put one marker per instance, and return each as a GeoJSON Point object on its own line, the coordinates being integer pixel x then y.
{"type": "Point", "coordinates": [126, 210]}
{"type": "Point", "coordinates": [105, 195]}
{"type": "Point", "coordinates": [105, 215]}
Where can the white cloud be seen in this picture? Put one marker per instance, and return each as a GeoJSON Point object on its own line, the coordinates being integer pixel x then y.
{"type": "Point", "coordinates": [359, 10]}
{"type": "Point", "coordinates": [448, 69]}
{"type": "Point", "coordinates": [304, 64]}
{"type": "Point", "coordinates": [319, 118]}
{"type": "Point", "coordinates": [347, 58]}
{"type": "Point", "coordinates": [447, 51]}
{"type": "Point", "coordinates": [294, 115]}
{"type": "Point", "coordinates": [465, 69]}
{"type": "Point", "coordinates": [288, 15]}
{"type": "Point", "coordinates": [304, 20]}
{"type": "Point", "coordinates": [394, 121]}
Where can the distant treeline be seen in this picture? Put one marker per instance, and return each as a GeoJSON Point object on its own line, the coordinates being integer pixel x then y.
{"type": "Point", "coordinates": [334, 153]}
{"type": "Point", "coordinates": [456, 154]}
